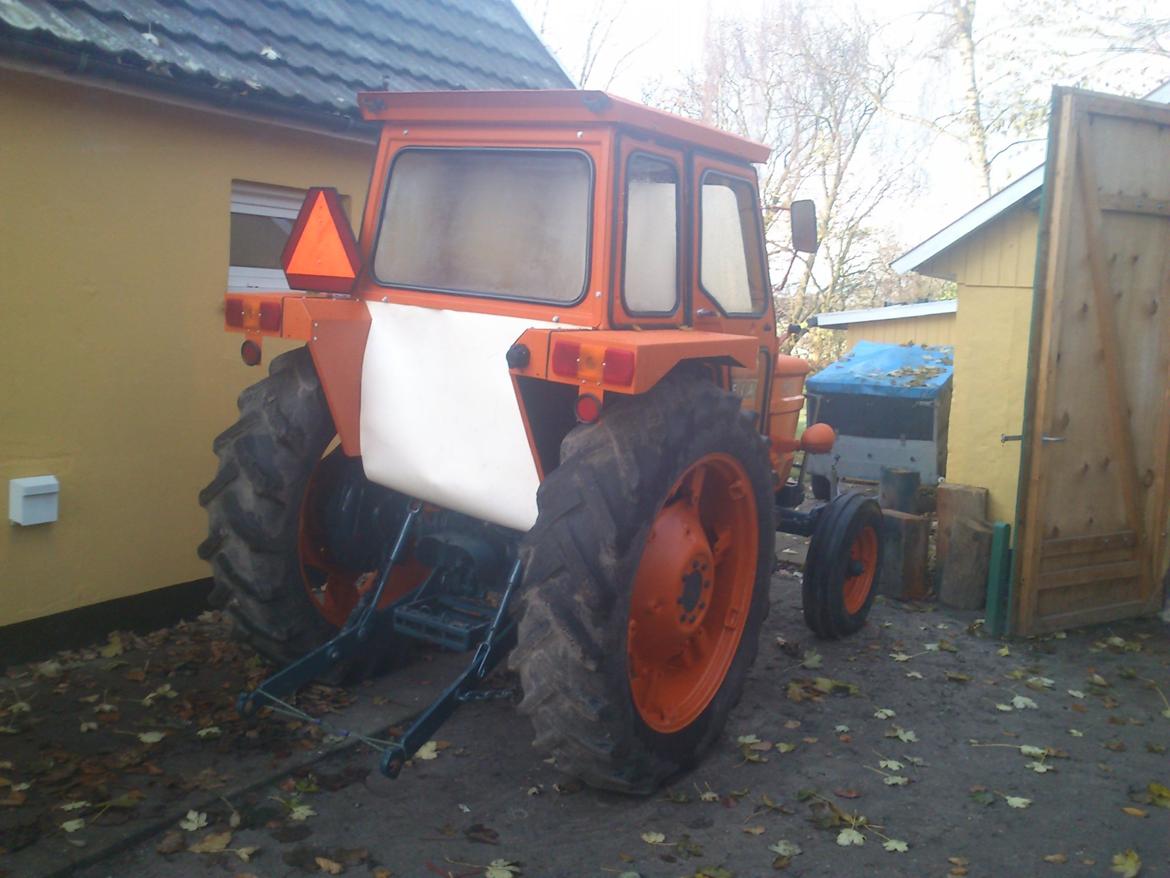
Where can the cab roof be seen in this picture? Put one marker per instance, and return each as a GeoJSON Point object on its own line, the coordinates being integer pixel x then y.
{"type": "Point", "coordinates": [551, 107]}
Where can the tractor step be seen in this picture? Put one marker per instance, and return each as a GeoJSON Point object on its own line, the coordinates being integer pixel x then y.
{"type": "Point", "coordinates": [458, 623]}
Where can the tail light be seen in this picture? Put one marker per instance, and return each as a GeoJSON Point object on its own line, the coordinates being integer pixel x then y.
{"type": "Point", "coordinates": [322, 253]}
{"type": "Point", "coordinates": [597, 363]}
{"type": "Point", "coordinates": [587, 408]}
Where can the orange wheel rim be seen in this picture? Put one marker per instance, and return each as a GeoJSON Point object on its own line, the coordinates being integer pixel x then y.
{"type": "Point", "coordinates": [334, 589]}
{"type": "Point", "coordinates": [862, 565]}
{"type": "Point", "coordinates": [692, 593]}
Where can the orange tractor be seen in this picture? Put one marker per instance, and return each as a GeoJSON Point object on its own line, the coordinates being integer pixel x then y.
{"type": "Point", "coordinates": [540, 413]}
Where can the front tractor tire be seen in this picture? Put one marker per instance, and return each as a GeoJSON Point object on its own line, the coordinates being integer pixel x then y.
{"type": "Point", "coordinates": [646, 584]}
{"type": "Point", "coordinates": [267, 507]}
{"type": "Point", "coordinates": [843, 564]}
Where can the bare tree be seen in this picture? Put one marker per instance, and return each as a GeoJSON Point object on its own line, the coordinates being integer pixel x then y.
{"type": "Point", "coordinates": [812, 88]}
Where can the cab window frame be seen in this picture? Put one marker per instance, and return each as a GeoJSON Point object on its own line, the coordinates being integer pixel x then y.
{"type": "Point", "coordinates": [760, 250]}
{"type": "Point", "coordinates": [680, 177]}
{"type": "Point", "coordinates": [590, 230]}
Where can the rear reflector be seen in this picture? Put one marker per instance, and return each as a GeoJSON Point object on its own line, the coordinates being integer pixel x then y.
{"type": "Point", "coordinates": [322, 252]}
{"type": "Point", "coordinates": [233, 312]}
{"type": "Point", "coordinates": [619, 366]}
{"type": "Point", "coordinates": [250, 353]}
{"type": "Point", "coordinates": [564, 359]}
{"type": "Point", "coordinates": [587, 408]}
{"type": "Point", "coordinates": [270, 316]}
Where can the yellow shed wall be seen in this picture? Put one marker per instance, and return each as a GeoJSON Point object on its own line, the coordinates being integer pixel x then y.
{"type": "Point", "coordinates": [117, 375]}
{"type": "Point", "coordinates": [994, 270]}
{"type": "Point", "coordinates": [933, 329]}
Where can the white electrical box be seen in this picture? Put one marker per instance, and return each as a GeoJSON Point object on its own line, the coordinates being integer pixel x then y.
{"type": "Point", "coordinates": [33, 500]}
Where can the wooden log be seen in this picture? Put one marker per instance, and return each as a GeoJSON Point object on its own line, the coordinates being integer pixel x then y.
{"type": "Point", "coordinates": [898, 489]}
{"type": "Point", "coordinates": [905, 539]}
{"type": "Point", "coordinates": [952, 502]}
{"type": "Point", "coordinates": [964, 577]}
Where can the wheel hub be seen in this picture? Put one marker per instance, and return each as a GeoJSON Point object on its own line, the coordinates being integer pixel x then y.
{"type": "Point", "coordinates": [692, 592]}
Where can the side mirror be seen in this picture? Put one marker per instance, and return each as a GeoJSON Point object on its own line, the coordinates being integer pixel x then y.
{"type": "Point", "coordinates": [804, 226]}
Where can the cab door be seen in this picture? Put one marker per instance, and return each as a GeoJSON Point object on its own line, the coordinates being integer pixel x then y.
{"type": "Point", "coordinates": [729, 276]}
{"type": "Point", "coordinates": [648, 288]}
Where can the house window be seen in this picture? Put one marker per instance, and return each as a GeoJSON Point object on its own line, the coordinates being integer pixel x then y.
{"type": "Point", "coordinates": [262, 218]}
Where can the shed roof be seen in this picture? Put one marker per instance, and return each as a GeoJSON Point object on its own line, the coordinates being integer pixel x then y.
{"type": "Point", "coordinates": [301, 57]}
{"type": "Point", "coordinates": [844, 319]}
{"type": "Point", "coordinates": [905, 371]}
{"type": "Point", "coordinates": [985, 212]}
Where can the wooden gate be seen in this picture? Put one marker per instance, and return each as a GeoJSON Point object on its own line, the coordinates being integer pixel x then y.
{"type": "Point", "coordinates": [1091, 538]}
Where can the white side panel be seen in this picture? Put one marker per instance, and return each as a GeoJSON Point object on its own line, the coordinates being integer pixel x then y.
{"type": "Point", "coordinates": [439, 418]}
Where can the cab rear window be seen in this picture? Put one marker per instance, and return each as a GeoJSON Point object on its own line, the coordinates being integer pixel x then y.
{"type": "Point", "coordinates": [495, 222]}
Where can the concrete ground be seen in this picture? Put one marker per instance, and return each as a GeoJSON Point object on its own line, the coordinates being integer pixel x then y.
{"type": "Point", "coordinates": [917, 747]}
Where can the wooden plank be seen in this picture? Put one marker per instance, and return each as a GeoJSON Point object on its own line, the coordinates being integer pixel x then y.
{"type": "Point", "coordinates": [1116, 202]}
{"type": "Point", "coordinates": [1050, 272]}
{"type": "Point", "coordinates": [1090, 573]}
{"type": "Point", "coordinates": [1117, 397]}
{"type": "Point", "coordinates": [1091, 616]}
{"type": "Point", "coordinates": [1080, 545]}
{"type": "Point", "coordinates": [1129, 109]}
{"type": "Point", "coordinates": [1157, 559]}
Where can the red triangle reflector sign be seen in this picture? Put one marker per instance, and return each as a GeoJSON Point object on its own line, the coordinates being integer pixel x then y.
{"type": "Point", "coordinates": [321, 254]}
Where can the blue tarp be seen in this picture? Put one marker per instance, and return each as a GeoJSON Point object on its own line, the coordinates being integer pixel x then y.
{"type": "Point", "coordinates": [902, 371]}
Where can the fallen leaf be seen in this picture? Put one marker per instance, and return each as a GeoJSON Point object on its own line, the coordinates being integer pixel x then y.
{"type": "Point", "coordinates": [1135, 812]}
{"type": "Point", "coordinates": [1006, 708]}
{"type": "Point", "coordinates": [171, 843]}
{"type": "Point", "coordinates": [1003, 651]}
{"type": "Point", "coordinates": [194, 820]}
{"type": "Point", "coordinates": [113, 646]}
{"type": "Point", "coordinates": [850, 836]}
{"type": "Point", "coordinates": [212, 843]}
{"type": "Point", "coordinates": [895, 845]}
{"type": "Point", "coordinates": [812, 660]}
{"type": "Point", "coordinates": [1017, 801]}
{"type": "Point", "coordinates": [1040, 767]}
{"type": "Point", "coordinates": [786, 848]}
{"type": "Point", "coordinates": [1034, 752]}
{"type": "Point", "coordinates": [328, 866]}
{"type": "Point", "coordinates": [1076, 733]}
{"type": "Point", "coordinates": [73, 825]}
{"type": "Point", "coordinates": [884, 713]}
{"type": "Point", "coordinates": [1076, 693]}
{"type": "Point", "coordinates": [74, 806]}
{"type": "Point", "coordinates": [899, 657]}
{"type": "Point", "coordinates": [653, 837]}
{"type": "Point", "coordinates": [895, 780]}
{"type": "Point", "coordinates": [501, 869]}
{"type": "Point", "coordinates": [209, 732]}
{"type": "Point", "coordinates": [890, 764]}
{"type": "Point", "coordinates": [914, 675]}
{"type": "Point", "coordinates": [1020, 702]}
{"type": "Point", "coordinates": [88, 727]}
{"type": "Point", "coordinates": [301, 812]}
{"type": "Point", "coordinates": [151, 737]}
{"type": "Point", "coordinates": [1058, 859]}
{"type": "Point", "coordinates": [754, 830]}
{"type": "Point", "coordinates": [1127, 864]}
{"type": "Point", "coordinates": [245, 853]}
{"type": "Point", "coordinates": [428, 751]}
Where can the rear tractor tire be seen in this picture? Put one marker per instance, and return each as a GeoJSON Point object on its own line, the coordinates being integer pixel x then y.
{"type": "Point", "coordinates": [646, 583]}
{"type": "Point", "coordinates": [271, 568]}
{"type": "Point", "coordinates": [843, 564]}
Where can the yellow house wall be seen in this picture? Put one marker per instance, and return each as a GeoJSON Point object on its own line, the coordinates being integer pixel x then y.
{"type": "Point", "coordinates": [932, 329]}
{"type": "Point", "coordinates": [116, 372]}
{"type": "Point", "coordinates": [994, 270]}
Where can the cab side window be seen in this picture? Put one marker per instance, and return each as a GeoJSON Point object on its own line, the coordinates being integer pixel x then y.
{"type": "Point", "coordinates": [650, 263]}
{"type": "Point", "coordinates": [731, 268]}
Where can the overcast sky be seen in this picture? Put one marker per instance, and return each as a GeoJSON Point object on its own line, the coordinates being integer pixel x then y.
{"type": "Point", "coordinates": [655, 41]}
